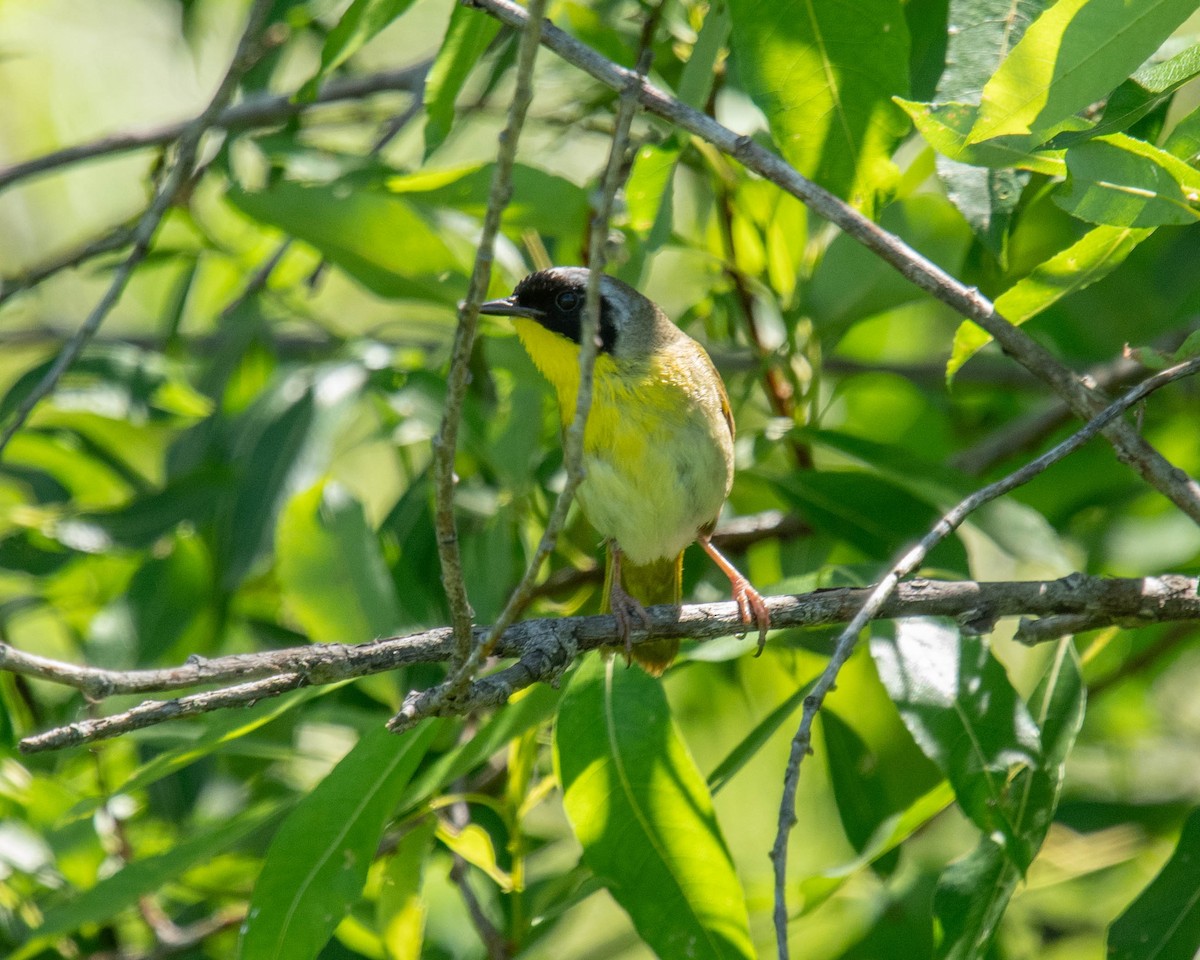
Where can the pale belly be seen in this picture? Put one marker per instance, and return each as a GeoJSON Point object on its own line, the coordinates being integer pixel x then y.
{"type": "Point", "coordinates": [651, 486]}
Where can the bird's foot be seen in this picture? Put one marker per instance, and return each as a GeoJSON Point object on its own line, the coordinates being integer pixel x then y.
{"type": "Point", "coordinates": [751, 607]}
{"type": "Point", "coordinates": [624, 609]}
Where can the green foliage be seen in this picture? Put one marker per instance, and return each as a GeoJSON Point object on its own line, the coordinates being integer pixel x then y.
{"type": "Point", "coordinates": [229, 469]}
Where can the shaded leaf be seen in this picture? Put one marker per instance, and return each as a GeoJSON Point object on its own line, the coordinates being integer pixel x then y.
{"type": "Point", "coordinates": [981, 34]}
{"type": "Point", "coordinates": [1095, 255]}
{"type": "Point", "coordinates": [317, 863]}
{"type": "Point", "coordinates": [970, 900]}
{"type": "Point", "coordinates": [1125, 182]}
{"type": "Point", "coordinates": [644, 816]}
{"type": "Point", "coordinates": [1163, 923]}
{"type": "Point", "coordinates": [874, 515]}
{"type": "Point", "coordinates": [361, 21]}
{"type": "Point", "coordinates": [377, 238]}
{"type": "Point", "coordinates": [466, 39]}
{"type": "Point", "coordinates": [330, 568]}
{"type": "Point", "coordinates": [959, 706]}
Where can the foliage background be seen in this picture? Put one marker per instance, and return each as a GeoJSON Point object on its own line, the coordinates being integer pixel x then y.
{"type": "Point", "coordinates": [223, 473]}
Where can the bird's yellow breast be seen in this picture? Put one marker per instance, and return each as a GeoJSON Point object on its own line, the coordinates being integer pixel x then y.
{"type": "Point", "coordinates": [658, 452]}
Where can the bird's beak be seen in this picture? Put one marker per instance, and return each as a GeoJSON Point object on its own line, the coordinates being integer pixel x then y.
{"type": "Point", "coordinates": [508, 307]}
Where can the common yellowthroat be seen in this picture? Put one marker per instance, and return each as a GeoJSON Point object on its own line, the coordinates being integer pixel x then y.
{"type": "Point", "coordinates": [658, 447]}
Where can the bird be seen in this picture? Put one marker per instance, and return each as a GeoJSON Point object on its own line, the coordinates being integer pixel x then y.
{"type": "Point", "coordinates": [658, 446]}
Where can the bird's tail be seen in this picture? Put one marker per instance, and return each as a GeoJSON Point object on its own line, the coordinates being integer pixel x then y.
{"type": "Point", "coordinates": [660, 581]}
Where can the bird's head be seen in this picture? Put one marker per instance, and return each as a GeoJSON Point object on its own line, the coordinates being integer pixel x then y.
{"type": "Point", "coordinates": [630, 324]}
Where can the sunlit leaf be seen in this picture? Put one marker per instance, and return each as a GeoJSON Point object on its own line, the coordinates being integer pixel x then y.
{"type": "Point", "coordinates": [400, 911]}
{"type": "Point", "coordinates": [1095, 255]}
{"type": "Point", "coordinates": [142, 877]}
{"type": "Point", "coordinates": [643, 815]}
{"type": "Point", "coordinates": [360, 22]}
{"type": "Point", "coordinates": [1071, 56]}
{"type": "Point", "coordinates": [828, 104]}
{"type": "Point", "coordinates": [317, 863]}
{"type": "Point", "coordinates": [376, 237]}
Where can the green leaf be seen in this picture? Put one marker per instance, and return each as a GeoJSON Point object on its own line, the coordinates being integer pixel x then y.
{"type": "Point", "coordinates": [1070, 57]}
{"type": "Point", "coordinates": [643, 815]}
{"type": "Point", "coordinates": [400, 910]}
{"type": "Point", "coordinates": [876, 516]}
{"type": "Point", "coordinates": [330, 569]}
{"type": "Point", "coordinates": [984, 33]}
{"type": "Point", "coordinates": [828, 105]}
{"type": "Point", "coordinates": [970, 901]}
{"type": "Point", "coordinates": [947, 126]}
{"type": "Point", "coordinates": [699, 73]}
{"type": "Point", "coordinates": [361, 21]}
{"type": "Point", "coordinates": [756, 739]}
{"type": "Point", "coordinates": [143, 876]}
{"type": "Point", "coordinates": [1095, 255]}
{"type": "Point", "coordinates": [1163, 923]}
{"type": "Point", "coordinates": [317, 864]}
{"type": "Point", "coordinates": [1125, 182]}
{"type": "Point", "coordinates": [648, 190]}
{"type": "Point", "coordinates": [377, 238]}
{"type": "Point", "coordinates": [959, 706]}
{"type": "Point", "coordinates": [551, 205]}
{"type": "Point", "coordinates": [466, 39]}
{"type": "Point", "coordinates": [279, 447]}
{"type": "Point", "coordinates": [1141, 93]}
{"type": "Point", "coordinates": [118, 381]}
{"type": "Point", "coordinates": [520, 714]}
{"type": "Point", "coordinates": [862, 802]}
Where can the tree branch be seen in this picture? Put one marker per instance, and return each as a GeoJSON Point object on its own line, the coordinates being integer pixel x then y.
{"type": "Point", "coordinates": [1085, 402]}
{"type": "Point", "coordinates": [883, 590]}
{"type": "Point", "coordinates": [445, 443]}
{"type": "Point", "coordinates": [543, 648]}
{"type": "Point", "coordinates": [261, 111]}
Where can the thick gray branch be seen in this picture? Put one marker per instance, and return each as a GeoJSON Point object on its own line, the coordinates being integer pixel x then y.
{"type": "Point", "coordinates": [543, 648]}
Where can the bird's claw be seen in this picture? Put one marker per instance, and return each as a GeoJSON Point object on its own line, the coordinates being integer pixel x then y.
{"type": "Point", "coordinates": [624, 609]}
{"type": "Point", "coordinates": [752, 610]}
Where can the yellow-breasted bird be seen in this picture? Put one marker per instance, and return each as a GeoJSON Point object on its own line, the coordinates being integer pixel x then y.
{"type": "Point", "coordinates": [658, 448]}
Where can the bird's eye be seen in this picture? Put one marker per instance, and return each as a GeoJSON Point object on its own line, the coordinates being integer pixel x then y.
{"type": "Point", "coordinates": [567, 301]}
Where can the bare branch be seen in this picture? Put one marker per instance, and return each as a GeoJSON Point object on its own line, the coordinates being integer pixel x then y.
{"type": "Point", "coordinates": [543, 648]}
{"type": "Point", "coordinates": [1085, 402]}
{"type": "Point", "coordinates": [445, 443]}
{"type": "Point", "coordinates": [260, 111]}
{"type": "Point", "coordinates": [419, 705]}
{"type": "Point", "coordinates": [147, 226]}
{"type": "Point", "coordinates": [883, 590]}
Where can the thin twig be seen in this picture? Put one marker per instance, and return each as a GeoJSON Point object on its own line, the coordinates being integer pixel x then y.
{"type": "Point", "coordinates": [147, 226]}
{"type": "Point", "coordinates": [883, 590]}
{"type": "Point", "coordinates": [543, 648]}
{"type": "Point", "coordinates": [445, 443]}
{"type": "Point", "coordinates": [1131, 449]}
{"type": "Point", "coordinates": [258, 112]}
{"type": "Point", "coordinates": [110, 242]}
{"type": "Point", "coordinates": [425, 703]}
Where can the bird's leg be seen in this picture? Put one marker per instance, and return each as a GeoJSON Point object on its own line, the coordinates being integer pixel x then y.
{"type": "Point", "coordinates": [624, 607]}
{"type": "Point", "coordinates": [750, 602]}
